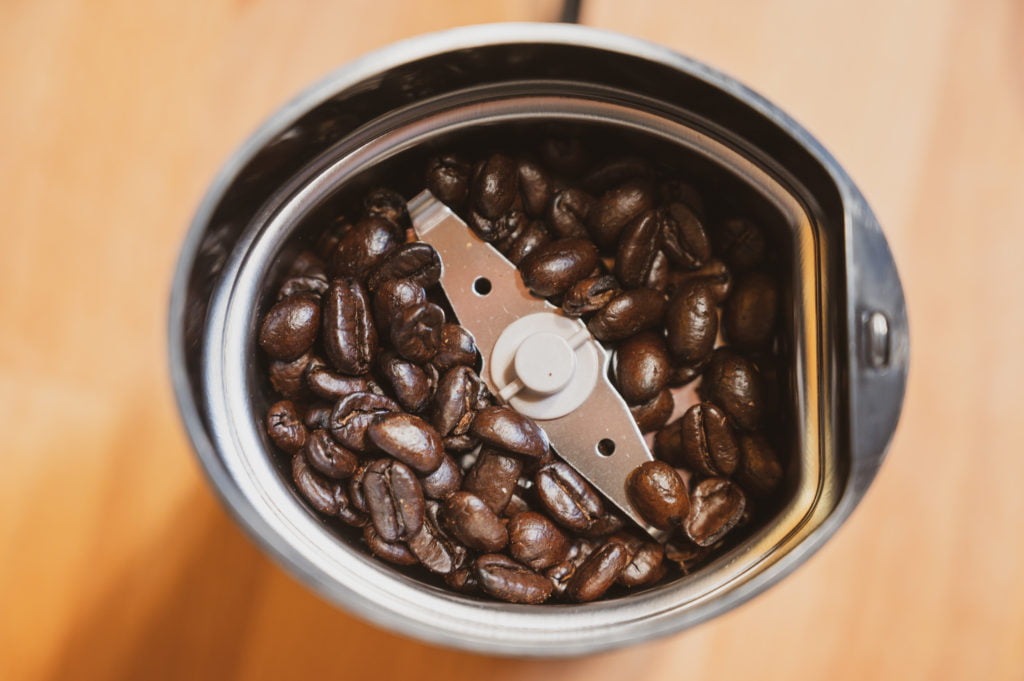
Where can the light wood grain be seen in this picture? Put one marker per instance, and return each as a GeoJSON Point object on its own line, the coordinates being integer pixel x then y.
{"type": "Point", "coordinates": [117, 562]}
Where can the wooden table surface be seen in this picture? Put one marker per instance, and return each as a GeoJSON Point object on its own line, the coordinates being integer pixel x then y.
{"type": "Point", "coordinates": [116, 561]}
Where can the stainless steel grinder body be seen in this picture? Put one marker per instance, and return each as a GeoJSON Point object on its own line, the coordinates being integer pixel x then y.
{"type": "Point", "coordinates": [845, 315]}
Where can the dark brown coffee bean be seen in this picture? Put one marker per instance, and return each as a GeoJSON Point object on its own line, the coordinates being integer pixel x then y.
{"type": "Point", "coordinates": [410, 383]}
{"type": "Point", "coordinates": [416, 332]}
{"type": "Point", "coordinates": [658, 494]}
{"type": "Point", "coordinates": [638, 247]}
{"type": "Point", "coordinates": [732, 383]}
{"type": "Point", "coordinates": [319, 491]}
{"type": "Point", "coordinates": [554, 267]}
{"type": "Point", "coordinates": [655, 413]}
{"type": "Point", "coordinates": [493, 478]}
{"type": "Point", "coordinates": [491, 231]}
{"type": "Point", "coordinates": [353, 415]}
{"type": "Point", "coordinates": [675, 190]}
{"type": "Point", "coordinates": [446, 480]}
{"type": "Point", "coordinates": [760, 473]}
{"type": "Point", "coordinates": [568, 211]}
{"type": "Point", "coordinates": [463, 580]}
{"type": "Point", "coordinates": [607, 524]}
{"type": "Point", "coordinates": [668, 443]}
{"type": "Point", "coordinates": [466, 442]}
{"type": "Point", "coordinates": [682, 374]}
{"type": "Point", "coordinates": [646, 566]}
{"type": "Point", "coordinates": [641, 367]}
{"type": "Point", "coordinates": [391, 298]}
{"type": "Point", "coordinates": [457, 348]}
{"type": "Point", "coordinates": [568, 497]}
{"type": "Point", "coordinates": [393, 552]}
{"type": "Point", "coordinates": [313, 285]}
{"type": "Point", "coordinates": [494, 187]}
{"type": "Point", "coordinates": [714, 273]}
{"type": "Point", "coordinates": [525, 241]}
{"type": "Point", "coordinates": [350, 337]}
{"type": "Point", "coordinates": [394, 499]}
{"type": "Point", "coordinates": [590, 295]}
{"type": "Point", "coordinates": [290, 327]}
{"type": "Point", "coordinates": [347, 512]}
{"type": "Point", "coordinates": [534, 186]}
{"type": "Point", "coordinates": [288, 378]}
{"type": "Point", "coordinates": [328, 457]}
{"type": "Point", "coordinates": [598, 572]}
{"type": "Point", "coordinates": [470, 521]}
{"type": "Point", "coordinates": [433, 547]}
{"type": "Point", "coordinates": [389, 205]}
{"type": "Point", "coordinates": [507, 580]}
{"type": "Point", "coordinates": [285, 426]}
{"type": "Point", "coordinates": [616, 171]}
{"type": "Point", "coordinates": [659, 276]}
{"type": "Point", "coordinates": [535, 541]}
{"type": "Point", "coordinates": [741, 243]}
{"type": "Point", "coordinates": [617, 208]}
{"type": "Point", "coordinates": [708, 445]}
{"type": "Point", "coordinates": [416, 261]}
{"type": "Point", "coordinates": [687, 555]}
{"type": "Point", "coordinates": [564, 155]}
{"type": "Point", "coordinates": [355, 489]}
{"type": "Point", "coordinates": [409, 439]}
{"type": "Point", "coordinates": [506, 429]}
{"type": "Point", "coordinates": [365, 246]}
{"type": "Point", "coordinates": [627, 314]}
{"type": "Point", "coordinates": [716, 506]}
{"type": "Point", "coordinates": [448, 178]}
{"type": "Point", "coordinates": [686, 243]}
{"type": "Point", "coordinates": [455, 401]}
{"type": "Point", "coordinates": [748, 319]}
{"type": "Point", "coordinates": [691, 323]}
{"type": "Point", "coordinates": [562, 572]}
{"type": "Point", "coordinates": [318, 416]}
{"type": "Point", "coordinates": [307, 264]}
{"type": "Point", "coordinates": [329, 385]}
{"type": "Point", "coordinates": [328, 241]}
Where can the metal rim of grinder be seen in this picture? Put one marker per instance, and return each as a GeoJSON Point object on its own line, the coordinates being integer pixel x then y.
{"type": "Point", "coordinates": [846, 317]}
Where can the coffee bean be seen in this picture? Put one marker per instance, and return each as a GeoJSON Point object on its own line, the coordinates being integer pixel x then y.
{"type": "Point", "coordinates": [445, 480]}
{"type": "Point", "coordinates": [691, 323]}
{"type": "Point", "coordinates": [311, 285]}
{"type": "Point", "coordinates": [655, 413]}
{"type": "Point", "coordinates": [554, 267]}
{"type": "Point", "coordinates": [394, 499]}
{"type": "Point", "coordinates": [389, 205]}
{"type": "Point", "coordinates": [328, 457]}
{"type": "Point", "coordinates": [526, 240]}
{"type": "Point", "coordinates": [741, 243]}
{"type": "Point", "coordinates": [685, 241]}
{"type": "Point", "coordinates": [687, 555]}
{"type": "Point", "coordinates": [641, 367]}
{"type": "Point", "coordinates": [716, 506]}
{"type": "Point", "coordinates": [285, 426]}
{"type": "Point", "coordinates": [457, 348]}
{"type": "Point", "coordinates": [628, 313]}
{"type": "Point", "coordinates": [658, 494]}
{"type": "Point", "coordinates": [347, 512]}
{"type": "Point", "coordinates": [364, 247]}
{"type": "Point", "coordinates": [568, 497]}
{"type": "Point", "coordinates": [598, 572]}
{"type": "Point", "coordinates": [330, 385]}
{"type": "Point", "coordinates": [493, 478]}
{"type": "Point", "coordinates": [638, 247]}
{"type": "Point", "coordinates": [616, 171]}
{"type": "Point", "coordinates": [506, 429]}
{"type": "Point", "coordinates": [463, 580]}
{"type": "Point", "coordinates": [290, 327]}
{"type": "Point", "coordinates": [590, 295]}
{"type": "Point", "coordinates": [491, 231]}
{"type": "Point", "coordinates": [448, 178]}
{"type": "Point", "coordinates": [748, 319]}
{"type": "Point", "coordinates": [562, 572]}
{"type": "Point", "coordinates": [681, 374]}
{"type": "Point", "coordinates": [732, 383]}
{"type": "Point", "coordinates": [674, 190]}
{"type": "Point", "coordinates": [534, 186]}
{"type": "Point", "coordinates": [416, 332]}
{"type": "Point", "coordinates": [564, 155]}
{"type": "Point", "coordinates": [470, 521]}
{"type": "Point", "coordinates": [460, 443]}
{"type": "Point", "coordinates": [433, 547]}
{"type": "Point", "coordinates": [617, 208]}
{"type": "Point", "coordinates": [608, 523]}
{"type": "Point", "coordinates": [349, 335]}
{"type": "Point", "coordinates": [391, 298]}
{"type": "Point", "coordinates": [306, 264]}
{"type": "Point", "coordinates": [417, 261]}
{"type": "Point", "coordinates": [288, 378]}
{"type": "Point", "coordinates": [393, 552]}
{"type": "Point", "coordinates": [646, 566]}
{"type": "Point", "coordinates": [660, 275]}
{"type": "Point", "coordinates": [353, 415]}
{"type": "Point", "coordinates": [507, 580]}
{"type": "Point", "coordinates": [455, 401]}
{"type": "Point", "coordinates": [760, 473]}
{"type": "Point", "coordinates": [355, 489]}
{"type": "Point", "coordinates": [568, 211]}
{"type": "Point", "coordinates": [410, 383]}
{"type": "Point", "coordinates": [409, 439]}
{"type": "Point", "coordinates": [715, 274]}
{"type": "Point", "coordinates": [708, 445]}
{"type": "Point", "coordinates": [318, 416]}
{"type": "Point", "coordinates": [535, 541]}
{"type": "Point", "coordinates": [319, 491]}
{"type": "Point", "coordinates": [668, 443]}
{"type": "Point", "coordinates": [494, 187]}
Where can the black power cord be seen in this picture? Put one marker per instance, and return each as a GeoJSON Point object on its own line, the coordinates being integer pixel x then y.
{"type": "Point", "coordinates": [570, 12]}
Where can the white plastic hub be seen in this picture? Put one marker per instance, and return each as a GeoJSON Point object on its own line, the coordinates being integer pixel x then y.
{"type": "Point", "coordinates": [545, 363]}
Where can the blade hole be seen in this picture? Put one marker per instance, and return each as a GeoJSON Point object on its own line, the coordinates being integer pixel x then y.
{"type": "Point", "coordinates": [482, 286]}
{"type": "Point", "coordinates": [606, 447]}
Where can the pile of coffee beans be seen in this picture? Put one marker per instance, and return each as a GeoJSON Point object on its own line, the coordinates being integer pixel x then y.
{"type": "Point", "coordinates": [393, 434]}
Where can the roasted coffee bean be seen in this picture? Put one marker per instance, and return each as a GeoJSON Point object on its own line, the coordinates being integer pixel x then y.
{"type": "Point", "coordinates": [435, 550]}
{"type": "Point", "coordinates": [659, 276]}
{"type": "Point", "coordinates": [617, 208]}
{"type": "Point", "coordinates": [288, 378]}
{"type": "Point", "coordinates": [285, 426]}
{"type": "Point", "coordinates": [691, 323]}
{"type": "Point", "coordinates": [314, 285]}
{"type": "Point", "coordinates": [493, 478]}
{"type": "Point", "coordinates": [534, 186]}
{"type": "Point", "coordinates": [568, 211]}
{"type": "Point", "coordinates": [687, 555]}
{"type": "Point", "coordinates": [748, 319]}
{"type": "Point", "coordinates": [350, 337]}
{"type": "Point", "coordinates": [354, 413]}
{"type": "Point", "coordinates": [457, 348]}
{"type": "Point", "coordinates": [460, 443]}
{"type": "Point", "coordinates": [416, 332]}
{"type": "Point", "coordinates": [741, 243]}
{"type": "Point", "coordinates": [716, 506]}
{"type": "Point", "coordinates": [448, 178]}
{"type": "Point", "coordinates": [506, 429]}
{"type": "Point", "coordinates": [658, 494]}
{"type": "Point", "coordinates": [391, 298]}
{"type": "Point", "coordinates": [389, 205]}
{"type": "Point", "coordinates": [552, 268]}
{"type": "Point", "coordinates": [416, 261]}
{"type": "Point", "coordinates": [562, 572]}
{"type": "Point", "coordinates": [410, 383]}
{"type": "Point", "coordinates": [598, 572]}
{"type": "Point", "coordinates": [681, 374]}
{"type": "Point", "coordinates": [708, 445]}
{"type": "Point", "coordinates": [290, 327]}
{"type": "Point", "coordinates": [355, 489]}
{"type": "Point", "coordinates": [641, 367]}
{"type": "Point", "coordinates": [470, 521]}
{"type": "Point", "coordinates": [328, 457]}
{"type": "Point", "coordinates": [607, 524]}
{"type": "Point", "coordinates": [535, 541]}
{"type": "Point", "coordinates": [330, 385]}
{"type": "Point", "coordinates": [409, 439]}
{"type": "Point", "coordinates": [627, 314]}
{"type": "Point", "coordinates": [668, 443]}
{"type": "Point", "coordinates": [732, 383]}
{"type": "Point", "coordinates": [393, 552]}
{"type": "Point", "coordinates": [328, 241]}
{"type": "Point", "coordinates": [516, 505]}
{"type": "Point", "coordinates": [445, 480]}
{"type": "Point", "coordinates": [646, 566]}
{"type": "Point", "coordinates": [638, 247]}
{"type": "Point", "coordinates": [455, 401]}
{"type": "Point", "coordinates": [654, 413]}
{"type": "Point", "coordinates": [616, 171]}
{"type": "Point", "coordinates": [347, 512]}
{"type": "Point", "coordinates": [590, 295]}
{"type": "Point", "coordinates": [365, 246]}
{"type": "Point", "coordinates": [685, 241]}
{"type": "Point", "coordinates": [318, 416]}
{"type": "Point", "coordinates": [307, 264]}
{"type": "Point", "coordinates": [714, 273]}
{"type": "Point", "coordinates": [564, 155]}
{"type": "Point", "coordinates": [760, 473]}
{"type": "Point", "coordinates": [507, 580]}
{"type": "Point", "coordinates": [394, 499]}
{"type": "Point", "coordinates": [494, 187]}
{"type": "Point", "coordinates": [525, 241]}
{"type": "Point", "coordinates": [568, 497]}
{"type": "Point", "coordinates": [674, 190]}
{"type": "Point", "coordinates": [491, 231]}
{"type": "Point", "coordinates": [463, 580]}
{"type": "Point", "coordinates": [319, 491]}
